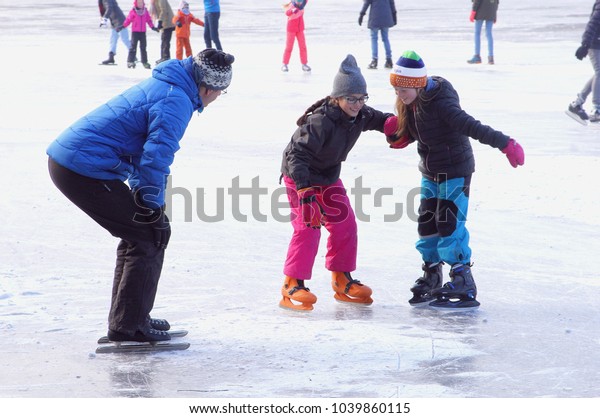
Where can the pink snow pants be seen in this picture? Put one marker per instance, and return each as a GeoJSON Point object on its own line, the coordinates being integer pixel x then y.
{"type": "Point", "coordinates": [289, 46]}
{"type": "Point", "coordinates": [340, 222]}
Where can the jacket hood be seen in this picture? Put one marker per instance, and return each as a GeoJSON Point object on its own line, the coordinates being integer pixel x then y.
{"type": "Point", "coordinates": [180, 73]}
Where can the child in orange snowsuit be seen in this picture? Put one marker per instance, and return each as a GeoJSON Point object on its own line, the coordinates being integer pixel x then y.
{"type": "Point", "coordinates": [182, 21]}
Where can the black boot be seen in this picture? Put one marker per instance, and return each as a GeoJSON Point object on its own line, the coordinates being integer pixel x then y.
{"type": "Point", "coordinates": [373, 64]}
{"type": "Point", "coordinates": [459, 292]}
{"type": "Point", "coordinates": [388, 63]}
{"type": "Point", "coordinates": [147, 335]}
{"type": "Point", "coordinates": [431, 279]}
{"type": "Point", "coordinates": [110, 60]}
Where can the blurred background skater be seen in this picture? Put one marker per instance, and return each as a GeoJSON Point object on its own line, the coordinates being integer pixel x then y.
{"type": "Point", "coordinates": [183, 21]}
{"type": "Point", "coordinates": [483, 11]}
{"type": "Point", "coordinates": [382, 16]}
{"type": "Point", "coordinates": [590, 46]}
{"type": "Point", "coordinates": [212, 14]}
{"type": "Point", "coordinates": [161, 12]}
{"type": "Point", "coordinates": [294, 11]}
{"type": "Point", "coordinates": [112, 14]}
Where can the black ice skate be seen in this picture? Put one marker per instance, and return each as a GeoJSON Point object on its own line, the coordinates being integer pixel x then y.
{"type": "Point", "coordinates": [431, 279]}
{"type": "Point", "coordinates": [159, 324]}
{"type": "Point", "coordinates": [148, 335]}
{"type": "Point", "coordinates": [459, 293]}
{"type": "Point", "coordinates": [576, 112]}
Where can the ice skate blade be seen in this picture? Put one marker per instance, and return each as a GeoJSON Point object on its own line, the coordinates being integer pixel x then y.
{"type": "Point", "coordinates": [340, 297]}
{"type": "Point", "coordinates": [454, 305]}
{"type": "Point", "coordinates": [576, 118]}
{"type": "Point", "coordinates": [419, 301]}
{"type": "Point", "coordinates": [423, 303]}
{"type": "Point", "coordinates": [286, 303]}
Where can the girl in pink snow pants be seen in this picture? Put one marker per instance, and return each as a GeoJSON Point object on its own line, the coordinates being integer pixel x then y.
{"type": "Point", "coordinates": [294, 11]}
{"type": "Point", "coordinates": [311, 166]}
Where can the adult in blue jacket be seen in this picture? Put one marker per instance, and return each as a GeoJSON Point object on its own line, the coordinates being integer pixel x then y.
{"type": "Point", "coordinates": [212, 14]}
{"type": "Point", "coordinates": [133, 138]}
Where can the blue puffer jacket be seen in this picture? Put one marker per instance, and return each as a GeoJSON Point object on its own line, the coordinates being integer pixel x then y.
{"type": "Point", "coordinates": [135, 135]}
{"type": "Point", "coordinates": [211, 6]}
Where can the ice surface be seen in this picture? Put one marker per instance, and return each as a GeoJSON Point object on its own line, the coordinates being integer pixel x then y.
{"type": "Point", "coordinates": [535, 230]}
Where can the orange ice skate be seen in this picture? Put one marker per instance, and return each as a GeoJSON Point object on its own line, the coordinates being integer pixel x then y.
{"type": "Point", "coordinates": [349, 290]}
{"type": "Point", "coordinates": [294, 290]}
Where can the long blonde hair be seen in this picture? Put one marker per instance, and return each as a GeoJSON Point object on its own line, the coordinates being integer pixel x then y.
{"type": "Point", "coordinates": [402, 111]}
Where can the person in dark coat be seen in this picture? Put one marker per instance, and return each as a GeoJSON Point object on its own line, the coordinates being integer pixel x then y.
{"type": "Point", "coordinates": [110, 12]}
{"type": "Point", "coordinates": [590, 46]}
{"type": "Point", "coordinates": [429, 113]}
{"type": "Point", "coordinates": [483, 11]}
{"type": "Point", "coordinates": [133, 138]}
{"type": "Point", "coordinates": [310, 168]}
{"type": "Point", "coordinates": [382, 16]}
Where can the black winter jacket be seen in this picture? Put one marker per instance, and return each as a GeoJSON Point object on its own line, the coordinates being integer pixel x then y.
{"type": "Point", "coordinates": [486, 9]}
{"type": "Point", "coordinates": [591, 35]}
{"type": "Point", "coordinates": [382, 13]}
{"type": "Point", "coordinates": [315, 153]}
{"type": "Point", "coordinates": [442, 130]}
{"type": "Point", "coordinates": [110, 9]}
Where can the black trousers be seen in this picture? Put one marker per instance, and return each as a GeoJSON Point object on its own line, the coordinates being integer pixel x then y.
{"type": "Point", "coordinates": [165, 43]}
{"type": "Point", "coordinates": [139, 262]}
{"type": "Point", "coordinates": [135, 38]}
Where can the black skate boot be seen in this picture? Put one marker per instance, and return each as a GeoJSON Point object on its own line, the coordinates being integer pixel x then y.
{"type": "Point", "coordinates": [459, 293]}
{"type": "Point", "coordinates": [159, 324]}
{"type": "Point", "coordinates": [373, 64]}
{"type": "Point", "coordinates": [131, 64]}
{"type": "Point", "coordinates": [388, 63]}
{"type": "Point", "coordinates": [431, 279]}
{"type": "Point", "coordinates": [147, 335]}
{"type": "Point", "coordinates": [110, 60]}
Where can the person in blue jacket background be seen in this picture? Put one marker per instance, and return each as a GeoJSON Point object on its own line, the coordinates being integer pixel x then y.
{"type": "Point", "coordinates": [133, 138]}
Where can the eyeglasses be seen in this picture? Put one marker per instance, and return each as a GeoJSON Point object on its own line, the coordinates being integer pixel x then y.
{"type": "Point", "coordinates": [353, 100]}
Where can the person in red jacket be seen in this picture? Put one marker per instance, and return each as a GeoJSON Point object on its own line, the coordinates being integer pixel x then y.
{"type": "Point", "coordinates": [294, 11]}
{"type": "Point", "coordinates": [183, 20]}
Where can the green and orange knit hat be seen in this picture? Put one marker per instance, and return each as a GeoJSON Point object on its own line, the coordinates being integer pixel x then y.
{"type": "Point", "coordinates": [409, 71]}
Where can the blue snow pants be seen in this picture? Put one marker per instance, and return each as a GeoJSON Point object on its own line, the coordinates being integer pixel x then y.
{"type": "Point", "coordinates": [442, 217]}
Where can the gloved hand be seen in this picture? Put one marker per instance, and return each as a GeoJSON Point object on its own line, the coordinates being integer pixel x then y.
{"type": "Point", "coordinates": [472, 16]}
{"type": "Point", "coordinates": [581, 52]}
{"type": "Point", "coordinates": [178, 23]}
{"type": "Point", "coordinates": [514, 152]}
{"type": "Point", "coordinates": [155, 29]}
{"type": "Point", "coordinates": [360, 19]}
{"type": "Point", "coordinates": [104, 22]}
{"type": "Point", "coordinates": [310, 210]}
{"type": "Point", "coordinates": [159, 25]}
{"type": "Point", "coordinates": [389, 129]}
{"type": "Point", "coordinates": [394, 18]}
{"type": "Point", "coordinates": [158, 220]}
{"type": "Point", "coordinates": [119, 28]}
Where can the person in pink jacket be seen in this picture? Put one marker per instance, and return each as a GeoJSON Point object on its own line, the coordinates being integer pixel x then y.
{"type": "Point", "coordinates": [294, 11]}
{"type": "Point", "coordinates": [138, 18]}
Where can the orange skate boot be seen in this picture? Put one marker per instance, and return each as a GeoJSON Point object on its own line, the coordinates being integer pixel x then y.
{"type": "Point", "coordinates": [294, 290]}
{"type": "Point", "coordinates": [349, 290]}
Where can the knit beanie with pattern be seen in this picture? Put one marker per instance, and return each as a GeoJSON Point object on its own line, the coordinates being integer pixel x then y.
{"type": "Point", "coordinates": [409, 71]}
{"type": "Point", "coordinates": [349, 79]}
{"type": "Point", "coordinates": [213, 69]}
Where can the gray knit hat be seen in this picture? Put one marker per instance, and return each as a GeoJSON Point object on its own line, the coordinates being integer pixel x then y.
{"type": "Point", "coordinates": [213, 69]}
{"type": "Point", "coordinates": [349, 79]}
